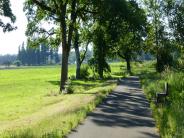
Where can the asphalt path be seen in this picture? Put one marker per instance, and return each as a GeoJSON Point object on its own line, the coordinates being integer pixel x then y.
{"type": "Point", "coordinates": [125, 113]}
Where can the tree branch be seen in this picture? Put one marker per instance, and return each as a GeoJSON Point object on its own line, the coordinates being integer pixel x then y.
{"type": "Point", "coordinates": [55, 4]}
{"type": "Point", "coordinates": [49, 33]}
{"type": "Point", "coordinates": [82, 59]}
{"type": "Point", "coordinates": [43, 6]}
{"type": "Point", "coordinates": [119, 54]}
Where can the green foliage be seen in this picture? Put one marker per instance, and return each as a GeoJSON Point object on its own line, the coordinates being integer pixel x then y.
{"type": "Point", "coordinates": [123, 29]}
{"type": "Point", "coordinates": [100, 51]}
{"type": "Point", "coordinates": [17, 63]}
{"type": "Point", "coordinates": [180, 63]}
{"type": "Point", "coordinates": [175, 13]}
{"type": "Point", "coordinates": [84, 72]}
{"type": "Point", "coordinates": [164, 58]}
{"type": "Point", "coordinates": [164, 37]}
{"type": "Point", "coordinates": [5, 10]}
{"type": "Point", "coordinates": [61, 29]}
{"type": "Point", "coordinates": [69, 88]}
{"type": "Point", "coordinates": [169, 115]}
{"type": "Point", "coordinates": [94, 65]}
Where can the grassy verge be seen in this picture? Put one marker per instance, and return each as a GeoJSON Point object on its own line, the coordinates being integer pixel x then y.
{"type": "Point", "coordinates": [61, 123]}
{"type": "Point", "coordinates": [168, 115]}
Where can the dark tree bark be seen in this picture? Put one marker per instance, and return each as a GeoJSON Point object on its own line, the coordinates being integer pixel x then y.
{"type": "Point", "coordinates": [128, 65]}
{"type": "Point", "coordinates": [101, 59]}
{"type": "Point", "coordinates": [79, 58]}
{"type": "Point", "coordinates": [77, 53]}
{"type": "Point", "coordinates": [64, 69]}
{"type": "Point", "coordinates": [65, 53]}
{"type": "Point", "coordinates": [66, 41]}
{"type": "Point", "coordinates": [128, 59]}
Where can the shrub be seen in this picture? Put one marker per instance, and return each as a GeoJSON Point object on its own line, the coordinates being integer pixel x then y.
{"type": "Point", "coordinates": [7, 63]}
{"type": "Point", "coordinates": [70, 89]}
{"type": "Point", "coordinates": [17, 63]}
{"type": "Point", "coordinates": [169, 116]}
{"type": "Point", "coordinates": [84, 72]}
{"type": "Point", "coordinates": [72, 77]}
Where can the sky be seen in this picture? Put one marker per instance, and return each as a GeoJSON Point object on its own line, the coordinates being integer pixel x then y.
{"type": "Point", "coordinates": [10, 41]}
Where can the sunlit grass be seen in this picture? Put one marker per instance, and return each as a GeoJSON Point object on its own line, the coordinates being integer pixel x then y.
{"type": "Point", "coordinates": [30, 101]}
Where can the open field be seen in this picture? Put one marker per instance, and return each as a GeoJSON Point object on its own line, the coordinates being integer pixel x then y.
{"type": "Point", "coordinates": [30, 100]}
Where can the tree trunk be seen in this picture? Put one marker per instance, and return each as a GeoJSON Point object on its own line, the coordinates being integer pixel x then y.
{"type": "Point", "coordinates": [65, 52]}
{"type": "Point", "coordinates": [100, 62]}
{"type": "Point", "coordinates": [64, 69]}
{"type": "Point", "coordinates": [100, 73]}
{"type": "Point", "coordinates": [78, 65]}
{"type": "Point", "coordinates": [77, 53]}
{"type": "Point", "coordinates": [128, 65]}
{"type": "Point", "coordinates": [159, 64]}
{"type": "Point", "coordinates": [66, 40]}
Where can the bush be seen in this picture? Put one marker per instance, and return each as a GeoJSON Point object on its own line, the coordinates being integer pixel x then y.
{"type": "Point", "coordinates": [17, 63]}
{"type": "Point", "coordinates": [70, 89]}
{"type": "Point", "coordinates": [169, 116]}
{"type": "Point", "coordinates": [84, 72]}
{"type": "Point", "coordinates": [72, 77]}
{"type": "Point", "coordinates": [180, 63]}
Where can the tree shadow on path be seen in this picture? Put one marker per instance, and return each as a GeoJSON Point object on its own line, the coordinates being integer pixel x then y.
{"type": "Point", "coordinates": [125, 107]}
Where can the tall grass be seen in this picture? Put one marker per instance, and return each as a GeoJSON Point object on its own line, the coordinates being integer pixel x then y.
{"type": "Point", "coordinates": [169, 115]}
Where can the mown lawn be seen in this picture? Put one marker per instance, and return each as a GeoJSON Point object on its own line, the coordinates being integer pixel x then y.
{"type": "Point", "coordinates": [31, 105]}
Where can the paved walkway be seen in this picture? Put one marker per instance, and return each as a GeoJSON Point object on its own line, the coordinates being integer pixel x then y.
{"type": "Point", "coordinates": [124, 114]}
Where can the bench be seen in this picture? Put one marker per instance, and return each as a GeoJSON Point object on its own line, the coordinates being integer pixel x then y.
{"type": "Point", "coordinates": [161, 97]}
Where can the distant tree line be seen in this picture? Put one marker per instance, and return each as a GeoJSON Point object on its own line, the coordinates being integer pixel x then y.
{"type": "Point", "coordinates": [7, 58]}
{"type": "Point", "coordinates": [41, 55]}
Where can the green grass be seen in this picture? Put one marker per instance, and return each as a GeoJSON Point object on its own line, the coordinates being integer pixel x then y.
{"type": "Point", "coordinates": [168, 115]}
{"type": "Point", "coordinates": [32, 107]}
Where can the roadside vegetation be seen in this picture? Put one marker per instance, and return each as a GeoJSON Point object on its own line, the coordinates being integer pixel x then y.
{"type": "Point", "coordinates": [169, 114]}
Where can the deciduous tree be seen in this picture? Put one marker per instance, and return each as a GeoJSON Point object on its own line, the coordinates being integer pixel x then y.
{"type": "Point", "coordinates": [62, 14]}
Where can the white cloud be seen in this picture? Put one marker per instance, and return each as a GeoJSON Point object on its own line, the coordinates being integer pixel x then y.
{"type": "Point", "coordinates": [10, 41]}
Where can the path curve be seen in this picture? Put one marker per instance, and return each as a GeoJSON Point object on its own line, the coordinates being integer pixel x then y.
{"type": "Point", "coordinates": [125, 113]}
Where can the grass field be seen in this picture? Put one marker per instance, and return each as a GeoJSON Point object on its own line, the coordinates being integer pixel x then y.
{"type": "Point", "coordinates": [31, 105]}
